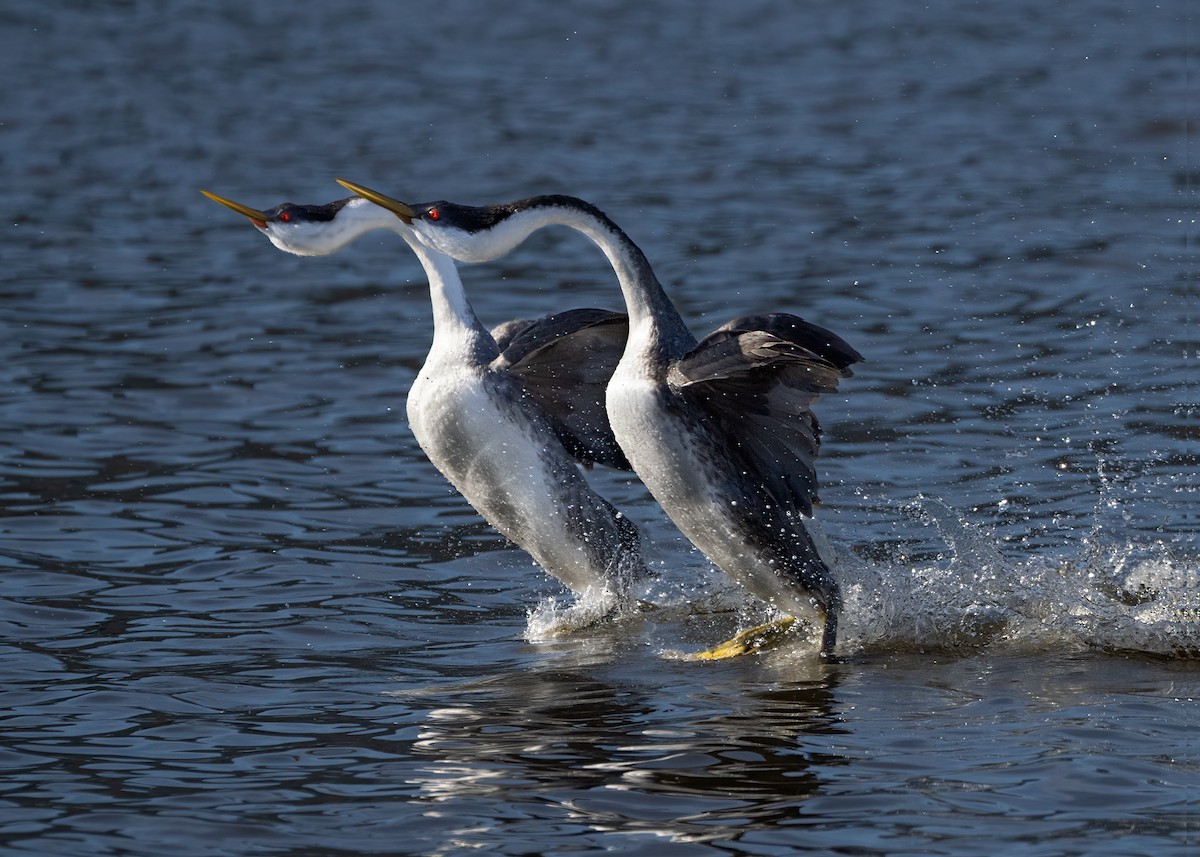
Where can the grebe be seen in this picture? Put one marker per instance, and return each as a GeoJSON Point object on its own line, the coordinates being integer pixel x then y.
{"type": "Point", "coordinates": [720, 430]}
{"type": "Point", "coordinates": [504, 422]}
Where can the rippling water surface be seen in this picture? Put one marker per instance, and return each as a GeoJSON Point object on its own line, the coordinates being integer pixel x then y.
{"type": "Point", "coordinates": [242, 614]}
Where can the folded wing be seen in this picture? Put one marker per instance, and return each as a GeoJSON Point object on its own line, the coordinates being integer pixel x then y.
{"type": "Point", "coordinates": [757, 377]}
{"type": "Point", "coordinates": [564, 362]}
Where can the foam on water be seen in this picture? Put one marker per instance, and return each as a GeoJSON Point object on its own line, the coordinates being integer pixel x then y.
{"type": "Point", "coordinates": [1128, 596]}
{"type": "Point", "coordinates": [553, 617]}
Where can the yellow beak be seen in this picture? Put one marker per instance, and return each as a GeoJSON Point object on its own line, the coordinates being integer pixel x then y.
{"type": "Point", "coordinates": [258, 218]}
{"type": "Point", "coordinates": [395, 206]}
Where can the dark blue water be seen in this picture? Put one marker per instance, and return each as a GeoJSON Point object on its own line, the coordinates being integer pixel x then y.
{"type": "Point", "coordinates": [241, 614]}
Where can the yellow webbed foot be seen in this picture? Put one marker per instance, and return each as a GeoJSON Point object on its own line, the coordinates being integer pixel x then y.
{"type": "Point", "coordinates": [756, 639]}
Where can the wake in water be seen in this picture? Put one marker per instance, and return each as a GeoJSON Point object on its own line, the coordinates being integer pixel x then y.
{"type": "Point", "coordinates": [1129, 597]}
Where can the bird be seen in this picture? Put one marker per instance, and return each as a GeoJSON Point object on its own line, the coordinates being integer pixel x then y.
{"type": "Point", "coordinates": [720, 430]}
{"type": "Point", "coordinates": [507, 416]}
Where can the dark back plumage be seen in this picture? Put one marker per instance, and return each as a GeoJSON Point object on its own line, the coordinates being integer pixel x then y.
{"type": "Point", "coordinates": [565, 362]}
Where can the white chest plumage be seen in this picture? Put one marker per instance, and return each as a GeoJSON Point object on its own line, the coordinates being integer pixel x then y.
{"type": "Point", "coordinates": [480, 442]}
{"type": "Point", "coordinates": [652, 434]}
{"type": "Point", "coordinates": [692, 482]}
{"type": "Point", "coordinates": [507, 464]}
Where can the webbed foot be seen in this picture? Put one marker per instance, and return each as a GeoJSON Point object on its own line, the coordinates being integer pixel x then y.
{"type": "Point", "coordinates": [756, 639]}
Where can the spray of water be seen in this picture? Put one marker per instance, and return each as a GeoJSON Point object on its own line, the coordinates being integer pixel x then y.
{"type": "Point", "coordinates": [1101, 595]}
{"type": "Point", "coordinates": [1128, 597]}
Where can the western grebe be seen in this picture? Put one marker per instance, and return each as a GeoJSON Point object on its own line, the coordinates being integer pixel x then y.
{"type": "Point", "coordinates": [504, 425]}
{"type": "Point", "coordinates": [720, 430]}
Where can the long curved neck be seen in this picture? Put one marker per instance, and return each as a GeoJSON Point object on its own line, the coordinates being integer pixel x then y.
{"type": "Point", "coordinates": [457, 331]}
{"type": "Point", "coordinates": [656, 329]}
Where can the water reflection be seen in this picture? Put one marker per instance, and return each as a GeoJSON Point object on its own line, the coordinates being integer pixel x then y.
{"type": "Point", "coordinates": [614, 757]}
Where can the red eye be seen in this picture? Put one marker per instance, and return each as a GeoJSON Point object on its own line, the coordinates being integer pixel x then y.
{"type": "Point", "coordinates": [285, 217]}
{"type": "Point", "coordinates": [433, 214]}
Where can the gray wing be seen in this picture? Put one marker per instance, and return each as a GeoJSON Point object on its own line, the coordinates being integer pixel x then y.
{"type": "Point", "coordinates": [756, 378]}
{"type": "Point", "coordinates": [564, 361]}
{"type": "Point", "coordinates": [824, 343]}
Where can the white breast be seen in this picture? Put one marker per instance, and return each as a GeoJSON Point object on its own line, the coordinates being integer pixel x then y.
{"type": "Point", "coordinates": [479, 443]}
{"type": "Point", "coordinates": [691, 481]}
{"type": "Point", "coordinates": [509, 466]}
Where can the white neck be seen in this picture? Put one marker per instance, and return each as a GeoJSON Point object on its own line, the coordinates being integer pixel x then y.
{"type": "Point", "coordinates": [656, 331]}
{"type": "Point", "coordinates": [457, 330]}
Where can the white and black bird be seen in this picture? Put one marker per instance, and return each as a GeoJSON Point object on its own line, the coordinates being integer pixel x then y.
{"type": "Point", "coordinates": [720, 430]}
{"type": "Point", "coordinates": [504, 416]}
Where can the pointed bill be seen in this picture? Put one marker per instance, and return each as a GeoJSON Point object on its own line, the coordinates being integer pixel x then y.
{"type": "Point", "coordinates": [258, 218]}
{"type": "Point", "coordinates": [395, 206]}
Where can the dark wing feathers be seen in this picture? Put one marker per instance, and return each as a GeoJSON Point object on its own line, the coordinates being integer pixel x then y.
{"type": "Point", "coordinates": [564, 362]}
{"type": "Point", "coordinates": [756, 379]}
{"type": "Point", "coordinates": [824, 343]}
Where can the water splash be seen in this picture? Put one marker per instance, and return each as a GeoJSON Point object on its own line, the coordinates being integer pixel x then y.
{"type": "Point", "coordinates": [1098, 595]}
{"type": "Point", "coordinates": [1129, 597]}
{"type": "Point", "coordinates": [553, 618]}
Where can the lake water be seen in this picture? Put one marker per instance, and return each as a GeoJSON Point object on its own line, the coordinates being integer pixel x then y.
{"type": "Point", "coordinates": [242, 614]}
